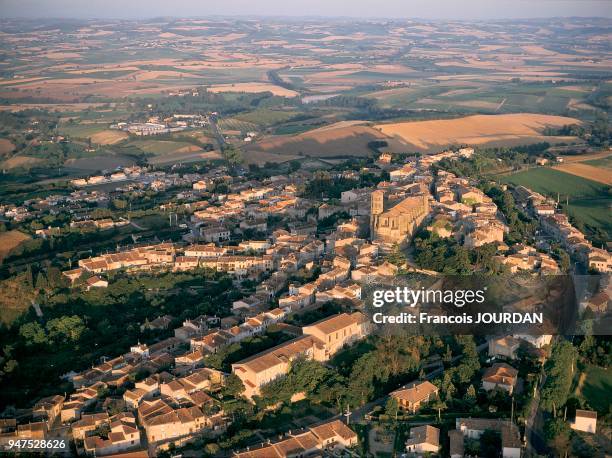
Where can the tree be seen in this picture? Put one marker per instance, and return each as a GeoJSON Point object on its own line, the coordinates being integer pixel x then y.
{"type": "Point", "coordinates": [66, 328]}
{"type": "Point", "coordinates": [557, 434]}
{"type": "Point", "coordinates": [33, 333]}
{"type": "Point", "coordinates": [392, 407]}
{"type": "Point", "coordinates": [232, 154]}
{"type": "Point", "coordinates": [439, 405]}
{"type": "Point", "coordinates": [233, 386]}
{"type": "Point", "coordinates": [41, 281]}
{"type": "Point", "coordinates": [470, 395]}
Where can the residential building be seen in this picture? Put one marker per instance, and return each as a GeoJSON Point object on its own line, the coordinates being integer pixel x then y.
{"type": "Point", "coordinates": [329, 436]}
{"type": "Point", "coordinates": [413, 396]}
{"type": "Point", "coordinates": [500, 375]}
{"type": "Point", "coordinates": [423, 439]}
{"type": "Point", "coordinates": [506, 347]}
{"type": "Point", "coordinates": [585, 420]}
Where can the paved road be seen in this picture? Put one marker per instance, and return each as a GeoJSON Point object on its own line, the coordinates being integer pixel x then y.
{"type": "Point", "coordinates": [212, 120]}
{"type": "Point", "coordinates": [533, 424]}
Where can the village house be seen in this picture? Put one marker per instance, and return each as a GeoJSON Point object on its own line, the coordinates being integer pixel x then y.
{"type": "Point", "coordinates": [34, 430]}
{"type": "Point", "coordinates": [598, 303]}
{"type": "Point", "coordinates": [163, 423]}
{"type": "Point", "coordinates": [215, 234]}
{"type": "Point", "coordinates": [402, 173]}
{"type": "Point", "coordinates": [161, 322]}
{"type": "Point", "coordinates": [413, 396]}
{"type": "Point", "coordinates": [423, 439]}
{"type": "Point", "coordinates": [79, 401]}
{"type": "Point", "coordinates": [500, 375]}
{"type": "Point", "coordinates": [265, 367]}
{"type": "Point", "coordinates": [124, 435]}
{"type": "Point", "coordinates": [472, 428]}
{"type": "Point", "coordinates": [504, 346]}
{"type": "Point", "coordinates": [96, 282]}
{"type": "Point", "coordinates": [339, 330]}
{"type": "Point", "coordinates": [88, 423]}
{"type": "Point", "coordinates": [48, 408]}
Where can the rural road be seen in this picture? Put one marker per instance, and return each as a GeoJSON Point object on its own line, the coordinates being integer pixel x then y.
{"type": "Point", "coordinates": [212, 120]}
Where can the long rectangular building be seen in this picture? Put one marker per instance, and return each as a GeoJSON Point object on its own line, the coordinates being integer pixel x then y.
{"type": "Point", "coordinates": [320, 341]}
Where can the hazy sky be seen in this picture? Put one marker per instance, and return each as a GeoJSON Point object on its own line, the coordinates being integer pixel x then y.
{"type": "Point", "coordinates": [431, 9]}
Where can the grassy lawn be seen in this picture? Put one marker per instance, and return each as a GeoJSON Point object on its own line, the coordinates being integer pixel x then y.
{"type": "Point", "coordinates": [596, 388]}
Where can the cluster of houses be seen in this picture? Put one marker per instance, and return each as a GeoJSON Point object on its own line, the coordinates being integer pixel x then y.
{"type": "Point", "coordinates": [558, 226]}
{"type": "Point", "coordinates": [155, 126]}
{"type": "Point", "coordinates": [312, 441]}
{"type": "Point", "coordinates": [426, 438]}
{"type": "Point", "coordinates": [173, 401]}
{"type": "Point", "coordinates": [499, 376]}
{"type": "Point", "coordinates": [318, 342]}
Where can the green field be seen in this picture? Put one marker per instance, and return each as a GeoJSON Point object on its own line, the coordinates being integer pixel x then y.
{"type": "Point", "coordinates": [605, 162]}
{"type": "Point", "coordinates": [82, 130]}
{"type": "Point", "coordinates": [596, 388]}
{"type": "Point", "coordinates": [487, 97]}
{"type": "Point", "coordinates": [158, 147]}
{"type": "Point", "coordinates": [589, 201]}
{"type": "Point", "coordinates": [231, 124]}
{"type": "Point", "coordinates": [266, 117]}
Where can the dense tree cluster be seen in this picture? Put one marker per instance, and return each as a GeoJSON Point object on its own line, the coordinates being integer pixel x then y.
{"type": "Point", "coordinates": [446, 255]}
{"type": "Point", "coordinates": [559, 370]}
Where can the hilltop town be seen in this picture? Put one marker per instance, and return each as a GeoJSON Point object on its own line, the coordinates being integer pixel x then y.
{"type": "Point", "coordinates": [296, 265]}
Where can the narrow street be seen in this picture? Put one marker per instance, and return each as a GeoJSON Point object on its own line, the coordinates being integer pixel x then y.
{"type": "Point", "coordinates": [533, 425]}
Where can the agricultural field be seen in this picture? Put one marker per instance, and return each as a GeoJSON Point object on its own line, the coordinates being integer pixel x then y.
{"type": "Point", "coordinates": [109, 137]}
{"type": "Point", "coordinates": [163, 147]}
{"type": "Point", "coordinates": [482, 130]}
{"type": "Point", "coordinates": [81, 130]}
{"type": "Point", "coordinates": [10, 240]}
{"type": "Point", "coordinates": [6, 146]}
{"type": "Point", "coordinates": [267, 117]}
{"type": "Point", "coordinates": [485, 96]}
{"type": "Point", "coordinates": [589, 201]}
{"type": "Point", "coordinates": [590, 172]}
{"type": "Point", "coordinates": [253, 88]}
{"type": "Point", "coordinates": [344, 139]}
{"type": "Point", "coordinates": [604, 163]}
{"type": "Point", "coordinates": [235, 126]}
